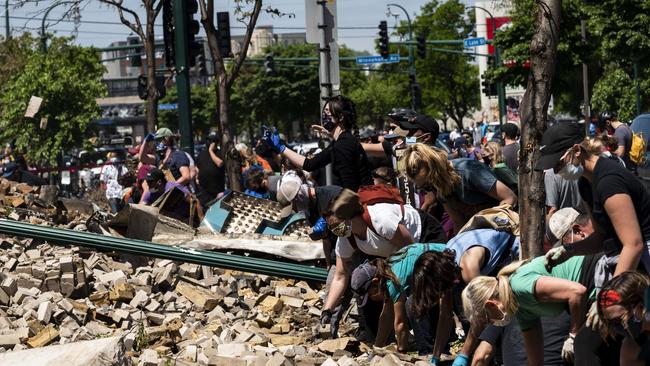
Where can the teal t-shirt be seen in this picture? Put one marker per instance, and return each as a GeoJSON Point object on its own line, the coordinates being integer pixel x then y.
{"type": "Point", "coordinates": [402, 264]}
{"type": "Point", "coordinates": [523, 283]}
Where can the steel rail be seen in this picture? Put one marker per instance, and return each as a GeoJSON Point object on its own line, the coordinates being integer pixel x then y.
{"type": "Point", "coordinates": [176, 253]}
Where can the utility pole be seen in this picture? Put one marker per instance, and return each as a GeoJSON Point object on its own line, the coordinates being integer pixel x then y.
{"type": "Point", "coordinates": [324, 54]}
{"type": "Point", "coordinates": [585, 79]}
{"type": "Point", "coordinates": [181, 49]}
{"type": "Point", "coordinates": [7, 29]}
{"type": "Point", "coordinates": [412, 78]}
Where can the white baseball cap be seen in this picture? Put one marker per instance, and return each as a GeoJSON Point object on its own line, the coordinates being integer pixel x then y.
{"type": "Point", "coordinates": [560, 223]}
{"type": "Point", "coordinates": [288, 188]}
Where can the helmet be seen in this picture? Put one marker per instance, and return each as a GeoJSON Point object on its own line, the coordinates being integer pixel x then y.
{"type": "Point", "coordinates": [402, 114]}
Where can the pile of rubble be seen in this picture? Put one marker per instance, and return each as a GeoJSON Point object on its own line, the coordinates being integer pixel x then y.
{"type": "Point", "coordinates": [159, 312]}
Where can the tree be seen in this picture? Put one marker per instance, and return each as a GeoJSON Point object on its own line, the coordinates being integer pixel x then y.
{"type": "Point", "coordinates": [68, 78]}
{"type": "Point", "coordinates": [248, 12]}
{"type": "Point", "coordinates": [376, 96]}
{"type": "Point", "coordinates": [130, 18]}
{"type": "Point", "coordinates": [534, 114]}
{"type": "Point", "coordinates": [615, 91]}
{"type": "Point", "coordinates": [203, 104]}
{"type": "Point", "coordinates": [13, 55]}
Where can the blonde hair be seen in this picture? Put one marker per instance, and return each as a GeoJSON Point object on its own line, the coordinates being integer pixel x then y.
{"type": "Point", "coordinates": [484, 288]}
{"type": "Point", "coordinates": [493, 148]}
{"type": "Point", "coordinates": [438, 169]}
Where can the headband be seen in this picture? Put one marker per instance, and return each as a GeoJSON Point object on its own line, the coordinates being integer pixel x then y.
{"type": "Point", "coordinates": [609, 298]}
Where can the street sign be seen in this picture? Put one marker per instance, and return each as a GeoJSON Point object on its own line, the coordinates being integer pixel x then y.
{"type": "Point", "coordinates": [167, 107]}
{"type": "Point", "coordinates": [368, 60]}
{"type": "Point", "coordinates": [312, 9]}
{"type": "Point", "coordinates": [473, 42]}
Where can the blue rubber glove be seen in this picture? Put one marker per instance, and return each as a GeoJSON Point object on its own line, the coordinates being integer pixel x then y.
{"type": "Point", "coordinates": [272, 138]}
{"type": "Point", "coordinates": [320, 226]}
{"type": "Point", "coordinates": [150, 137]}
{"type": "Point", "coordinates": [461, 360]}
{"type": "Point", "coordinates": [435, 360]}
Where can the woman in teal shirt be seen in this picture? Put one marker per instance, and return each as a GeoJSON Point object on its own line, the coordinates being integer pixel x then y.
{"type": "Point", "coordinates": [528, 291]}
{"type": "Point", "coordinates": [425, 272]}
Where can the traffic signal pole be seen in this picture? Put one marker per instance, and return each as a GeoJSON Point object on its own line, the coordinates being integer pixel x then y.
{"type": "Point", "coordinates": [183, 76]}
{"type": "Point", "coordinates": [411, 59]}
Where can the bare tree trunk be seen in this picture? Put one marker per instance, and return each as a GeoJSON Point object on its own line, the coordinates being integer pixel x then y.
{"type": "Point", "coordinates": [232, 157]}
{"type": "Point", "coordinates": [534, 109]}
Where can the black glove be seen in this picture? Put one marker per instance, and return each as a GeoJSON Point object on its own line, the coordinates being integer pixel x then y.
{"type": "Point", "coordinates": [325, 317]}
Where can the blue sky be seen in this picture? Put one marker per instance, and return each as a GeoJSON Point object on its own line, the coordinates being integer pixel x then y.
{"type": "Point", "coordinates": [94, 31]}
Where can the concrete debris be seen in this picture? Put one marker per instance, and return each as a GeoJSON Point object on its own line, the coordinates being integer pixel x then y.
{"type": "Point", "coordinates": [66, 305]}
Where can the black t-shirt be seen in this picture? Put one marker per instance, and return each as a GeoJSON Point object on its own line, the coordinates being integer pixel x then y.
{"type": "Point", "coordinates": [350, 166]}
{"type": "Point", "coordinates": [211, 177]}
{"type": "Point", "coordinates": [609, 179]}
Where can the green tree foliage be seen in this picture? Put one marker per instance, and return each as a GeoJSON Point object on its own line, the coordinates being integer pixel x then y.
{"type": "Point", "coordinates": [377, 95]}
{"type": "Point", "coordinates": [203, 102]}
{"type": "Point", "coordinates": [449, 82]}
{"type": "Point", "coordinates": [615, 91]}
{"type": "Point", "coordinates": [617, 36]}
{"type": "Point", "coordinates": [68, 78]}
{"type": "Point", "coordinates": [13, 55]}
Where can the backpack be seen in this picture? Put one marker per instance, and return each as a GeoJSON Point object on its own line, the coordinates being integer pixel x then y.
{"type": "Point", "coordinates": [500, 218]}
{"type": "Point", "coordinates": [378, 193]}
{"type": "Point", "coordinates": [637, 148]}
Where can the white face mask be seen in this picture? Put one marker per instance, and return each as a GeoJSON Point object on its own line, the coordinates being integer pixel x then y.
{"type": "Point", "coordinates": [571, 172]}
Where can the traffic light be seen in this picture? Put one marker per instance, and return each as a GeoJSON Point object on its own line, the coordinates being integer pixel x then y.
{"type": "Point", "coordinates": [416, 92]}
{"type": "Point", "coordinates": [194, 48]}
{"type": "Point", "coordinates": [383, 39]}
{"type": "Point", "coordinates": [160, 86]}
{"type": "Point", "coordinates": [489, 89]}
{"type": "Point", "coordinates": [168, 33]}
{"type": "Point", "coordinates": [223, 34]}
{"type": "Point", "coordinates": [134, 56]}
{"type": "Point", "coordinates": [143, 91]}
{"type": "Point", "coordinates": [269, 65]}
{"type": "Point", "coordinates": [422, 46]}
{"type": "Point", "coordinates": [200, 64]}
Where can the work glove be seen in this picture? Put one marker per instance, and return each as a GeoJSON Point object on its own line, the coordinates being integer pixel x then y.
{"type": "Point", "coordinates": [325, 317]}
{"type": "Point", "coordinates": [567, 348]}
{"type": "Point", "coordinates": [460, 333]}
{"type": "Point", "coordinates": [318, 229]}
{"type": "Point", "coordinates": [149, 137]}
{"type": "Point", "coordinates": [461, 360]}
{"type": "Point", "coordinates": [272, 138]}
{"type": "Point", "coordinates": [593, 320]}
{"type": "Point", "coordinates": [555, 256]}
{"type": "Point", "coordinates": [435, 360]}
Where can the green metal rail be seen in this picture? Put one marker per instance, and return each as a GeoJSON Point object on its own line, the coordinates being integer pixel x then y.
{"type": "Point", "coordinates": [148, 249]}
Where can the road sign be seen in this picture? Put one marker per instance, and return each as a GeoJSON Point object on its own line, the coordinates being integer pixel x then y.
{"type": "Point", "coordinates": [473, 42]}
{"type": "Point", "coordinates": [312, 9]}
{"type": "Point", "coordinates": [167, 107]}
{"type": "Point", "coordinates": [368, 60]}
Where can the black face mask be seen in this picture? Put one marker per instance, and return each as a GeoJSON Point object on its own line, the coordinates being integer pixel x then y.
{"type": "Point", "coordinates": [487, 160]}
{"type": "Point", "coordinates": [327, 123]}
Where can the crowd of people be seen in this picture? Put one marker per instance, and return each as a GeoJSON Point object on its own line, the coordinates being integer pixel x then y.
{"type": "Point", "coordinates": [424, 234]}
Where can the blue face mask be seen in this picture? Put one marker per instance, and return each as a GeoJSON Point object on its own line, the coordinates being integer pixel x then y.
{"type": "Point", "coordinates": [571, 172]}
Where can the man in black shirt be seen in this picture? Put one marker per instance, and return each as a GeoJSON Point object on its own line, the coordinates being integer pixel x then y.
{"type": "Point", "coordinates": [14, 173]}
{"type": "Point", "coordinates": [212, 173]}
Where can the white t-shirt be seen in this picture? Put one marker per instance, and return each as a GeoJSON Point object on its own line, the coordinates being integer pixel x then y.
{"type": "Point", "coordinates": [385, 218]}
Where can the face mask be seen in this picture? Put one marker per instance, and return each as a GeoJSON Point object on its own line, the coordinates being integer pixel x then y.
{"type": "Point", "coordinates": [487, 160]}
{"type": "Point", "coordinates": [113, 160]}
{"type": "Point", "coordinates": [571, 172]}
{"type": "Point", "coordinates": [327, 123]}
{"type": "Point", "coordinates": [342, 230]}
{"type": "Point", "coordinates": [505, 320]}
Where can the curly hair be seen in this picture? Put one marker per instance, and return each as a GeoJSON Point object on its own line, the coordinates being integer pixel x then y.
{"type": "Point", "coordinates": [434, 273]}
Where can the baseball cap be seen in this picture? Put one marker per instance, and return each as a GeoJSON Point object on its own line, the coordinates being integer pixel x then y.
{"type": "Point", "coordinates": [560, 223]}
{"type": "Point", "coordinates": [325, 195]}
{"type": "Point", "coordinates": [361, 280]}
{"type": "Point", "coordinates": [459, 141]}
{"type": "Point", "coordinates": [10, 168]}
{"type": "Point", "coordinates": [155, 175]}
{"type": "Point", "coordinates": [163, 133]}
{"type": "Point", "coordinates": [556, 140]}
{"type": "Point", "coordinates": [422, 122]}
{"type": "Point", "coordinates": [288, 188]}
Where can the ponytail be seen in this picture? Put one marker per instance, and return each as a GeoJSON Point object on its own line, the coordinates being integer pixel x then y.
{"type": "Point", "coordinates": [384, 273]}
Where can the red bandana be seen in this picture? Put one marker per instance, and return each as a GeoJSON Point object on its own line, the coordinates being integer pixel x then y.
{"type": "Point", "coordinates": [609, 298]}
